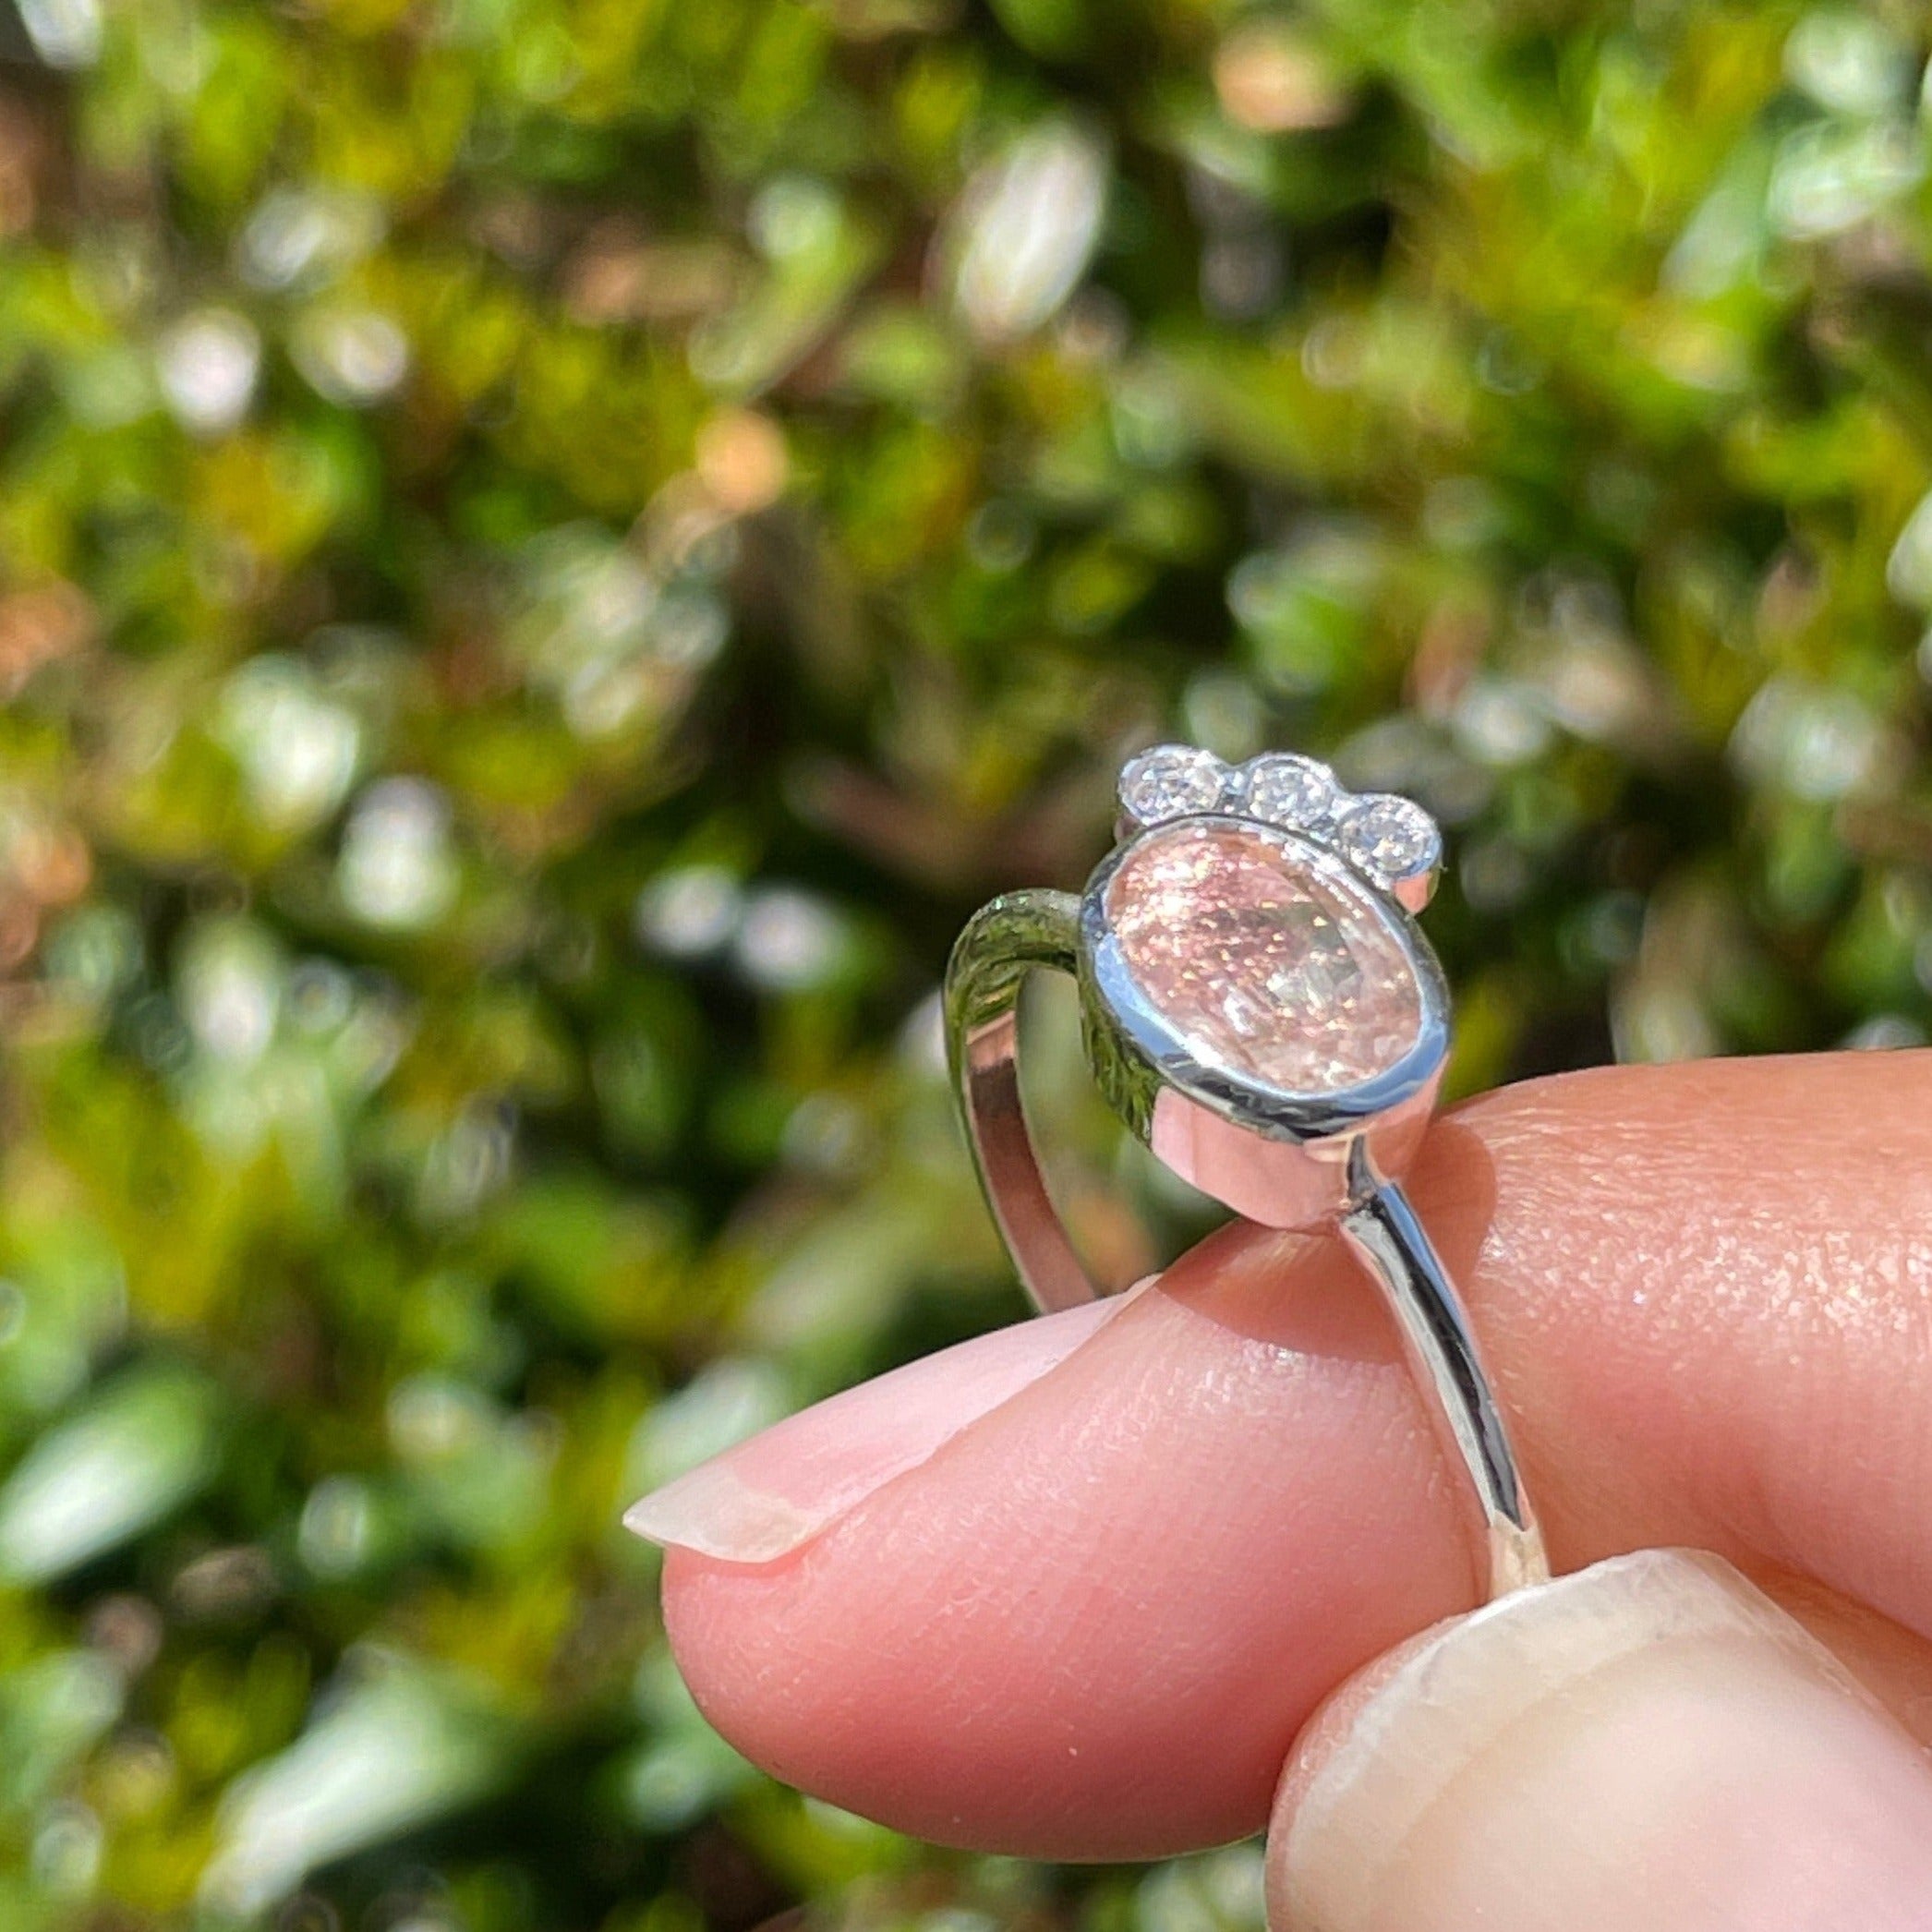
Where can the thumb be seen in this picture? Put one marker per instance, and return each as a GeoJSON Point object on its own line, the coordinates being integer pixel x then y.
{"type": "Point", "coordinates": [1649, 1742]}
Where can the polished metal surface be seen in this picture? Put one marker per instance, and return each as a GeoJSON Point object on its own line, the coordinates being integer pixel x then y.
{"type": "Point", "coordinates": [1385, 1234]}
{"type": "Point", "coordinates": [1282, 1159]}
{"type": "Point", "coordinates": [1001, 943]}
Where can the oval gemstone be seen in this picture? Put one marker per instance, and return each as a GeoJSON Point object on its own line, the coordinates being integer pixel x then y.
{"type": "Point", "coordinates": [1264, 960]}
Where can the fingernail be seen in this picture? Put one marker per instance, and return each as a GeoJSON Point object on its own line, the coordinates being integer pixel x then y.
{"type": "Point", "coordinates": [766, 1497]}
{"type": "Point", "coordinates": [1650, 1742]}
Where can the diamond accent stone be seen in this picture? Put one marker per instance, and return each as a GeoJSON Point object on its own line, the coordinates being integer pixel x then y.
{"type": "Point", "coordinates": [1265, 960]}
{"type": "Point", "coordinates": [1173, 781]}
{"type": "Point", "coordinates": [1281, 788]}
{"type": "Point", "coordinates": [1389, 837]}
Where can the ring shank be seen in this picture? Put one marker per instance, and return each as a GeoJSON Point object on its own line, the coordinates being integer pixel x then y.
{"type": "Point", "coordinates": [1386, 1236]}
{"type": "Point", "coordinates": [999, 946]}
{"type": "Point", "coordinates": [1020, 931]}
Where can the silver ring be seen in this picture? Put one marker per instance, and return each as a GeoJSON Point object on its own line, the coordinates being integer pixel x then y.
{"type": "Point", "coordinates": [1261, 1009]}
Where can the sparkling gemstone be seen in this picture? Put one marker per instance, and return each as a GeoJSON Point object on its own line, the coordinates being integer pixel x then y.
{"type": "Point", "coordinates": [1172, 780]}
{"type": "Point", "coordinates": [1281, 788]}
{"type": "Point", "coordinates": [1266, 961]}
{"type": "Point", "coordinates": [1389, 837]}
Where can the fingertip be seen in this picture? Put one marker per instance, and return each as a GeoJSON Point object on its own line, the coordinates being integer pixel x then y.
{"type": "Point", "coordinates": [1092, 1622]}
{"type": "Point", "coordinates": [1648, 1740]}
{"type": "Point", "coordinates": [1045, 1638]}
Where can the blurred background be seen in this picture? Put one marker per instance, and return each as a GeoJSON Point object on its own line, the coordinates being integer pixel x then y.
{"type": "Point", "coordinates": [550, 550]}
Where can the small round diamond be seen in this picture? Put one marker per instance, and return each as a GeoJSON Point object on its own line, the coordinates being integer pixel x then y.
{"type": "Point", "coordinates": [1389, 837]}
{"type": "Point", "coordinates": [1299, 794]}
{"type": "Point", "coordinates": [1172, 781]}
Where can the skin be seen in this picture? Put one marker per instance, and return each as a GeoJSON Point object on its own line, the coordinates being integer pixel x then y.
{"type": "Point", "coordinates": [1094, 1621]}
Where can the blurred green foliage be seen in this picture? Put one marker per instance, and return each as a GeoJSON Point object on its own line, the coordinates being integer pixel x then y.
{"type": "Point", "coordinates": [551, 550]}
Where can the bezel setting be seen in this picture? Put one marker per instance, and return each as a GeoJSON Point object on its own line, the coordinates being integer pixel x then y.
{"type": "Point", "coordinates": [1390, 840]}
{"type": "Point", "coordinates": [1276, 1155]}
{"type": "Point", "coordinates": [1169, 781]}
{"type": "Point", "coordinates": [1285, 789]}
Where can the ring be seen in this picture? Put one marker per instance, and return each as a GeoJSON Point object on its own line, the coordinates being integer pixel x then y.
{"type": "Point", "coordinates": [1260, 1008]}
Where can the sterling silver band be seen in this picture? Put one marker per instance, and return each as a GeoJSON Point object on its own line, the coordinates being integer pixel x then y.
{"type": "Point", "coordinates": [1282, 1160]}
{"type": "Point", "coordinates": [1391, 1242]}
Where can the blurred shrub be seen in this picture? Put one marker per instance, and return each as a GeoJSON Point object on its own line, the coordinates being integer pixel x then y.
{"type": "Point", "coordinates": [551, 550]}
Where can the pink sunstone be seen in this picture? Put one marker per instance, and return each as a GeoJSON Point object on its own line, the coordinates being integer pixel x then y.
{"type": "Point", "coordinates": [1266, 965]}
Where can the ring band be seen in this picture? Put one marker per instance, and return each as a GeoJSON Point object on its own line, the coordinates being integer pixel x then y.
{"type": "Point", "coordinates": [1259, 1007]}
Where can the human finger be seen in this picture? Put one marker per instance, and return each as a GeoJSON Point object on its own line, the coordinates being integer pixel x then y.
{"type": "Point", "coordinates": [1074, 1589]}
{"type": "Point", "coordinates": [1650, 1741]}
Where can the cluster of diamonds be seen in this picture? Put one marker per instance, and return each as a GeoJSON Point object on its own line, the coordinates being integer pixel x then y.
{"type": "Point", "coordinates": [1390, 840]}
